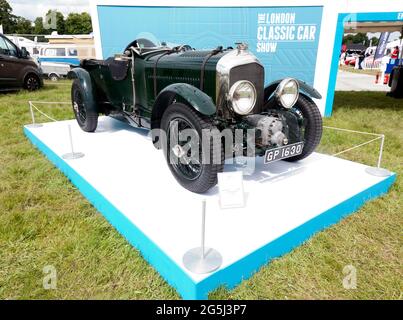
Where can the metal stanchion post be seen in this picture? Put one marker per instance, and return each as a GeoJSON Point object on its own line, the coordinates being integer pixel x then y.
{"type": "Point", "coordinates": [201, 259]}
{"type": "Point", "coordinates": [378, 171]}
{"type": "Point", "coordinates": [203, 230]}
{"type": "Point", "coordinates": [33, 124]}
{"type": "Point", "coordinates": [72, 155]}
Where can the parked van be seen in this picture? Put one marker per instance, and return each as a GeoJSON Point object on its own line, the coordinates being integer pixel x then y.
{"type": "Point", "coordinates": [17, 68]}
{"type": "Point", "coordinates": [65, 53]}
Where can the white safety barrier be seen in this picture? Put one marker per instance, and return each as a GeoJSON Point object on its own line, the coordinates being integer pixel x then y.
{"type": "Point", "coordinates": [377, 170]}
{"type": "Point", "coordinates": [68, 156]}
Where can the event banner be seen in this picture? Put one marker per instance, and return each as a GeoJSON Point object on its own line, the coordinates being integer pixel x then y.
{"type": "Point", "coordinates": [285, 39]}
{"type": "Point", "coordinates": [380, 49]}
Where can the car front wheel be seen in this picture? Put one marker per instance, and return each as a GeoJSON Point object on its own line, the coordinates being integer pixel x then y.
{"type": "Point", "coordinates": [311, 119]}
{"type": "Point", "coordinates": [193, 166]}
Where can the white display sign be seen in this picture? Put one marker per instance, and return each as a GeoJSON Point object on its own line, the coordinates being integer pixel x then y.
{"type": "Point", "coordinates": [230, 186]}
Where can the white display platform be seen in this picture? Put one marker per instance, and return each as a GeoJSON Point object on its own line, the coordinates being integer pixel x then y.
{"type": "Point", "coordinates": [128, 181]}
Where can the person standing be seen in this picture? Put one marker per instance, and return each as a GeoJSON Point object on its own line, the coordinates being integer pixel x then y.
{"type": "Point", "coordinates": [395, 53]}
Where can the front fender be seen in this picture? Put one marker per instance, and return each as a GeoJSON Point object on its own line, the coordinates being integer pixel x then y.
{"type": "Point", "coordinates": [194, 96]}
{"type": "Point", "coordinates": [303, 86]}
{"type": "Point", "coordinates": [85, 81]}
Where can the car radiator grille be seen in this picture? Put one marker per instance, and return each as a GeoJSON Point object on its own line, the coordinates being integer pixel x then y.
{"type": "Point", "coordinates": [254, 73]}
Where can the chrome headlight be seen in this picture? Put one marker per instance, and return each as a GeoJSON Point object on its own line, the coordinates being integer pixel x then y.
{"type": "Point", "coordinates": [243, 96]}
{"type": "Point", "coordinates": [287, 92]}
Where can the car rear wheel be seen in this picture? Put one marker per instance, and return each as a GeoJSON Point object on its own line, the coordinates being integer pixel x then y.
{"type": "Point", "coordinates": [309, 114]}
{"type": "Point", "coordinates": [53, 77]}
{"type": "Point", "coordinates": [32, 82]}
{"type": "Point", "coordinates": [86, 117]}
{"type": "Point", "coordinates": [185, 158]}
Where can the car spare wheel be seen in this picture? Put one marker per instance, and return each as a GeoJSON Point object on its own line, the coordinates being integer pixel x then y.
{"type": "Point", "coordinates": [86, 116]}
{"type": "Point", "coordinates": [183, 150]}
{"type": "Point", "coordinates": [309, 114]}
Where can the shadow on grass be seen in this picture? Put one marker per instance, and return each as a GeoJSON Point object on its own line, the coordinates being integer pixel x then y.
{"type": "Point", "coordinates": [366, 100]}
{"type": "Point", "coordinates": [16, 91]}
{"type": "Point", "coordinates": [8, 91]}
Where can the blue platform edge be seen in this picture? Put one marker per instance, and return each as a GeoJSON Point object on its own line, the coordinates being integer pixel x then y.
{"type": "Point", "coordinates": [229, 276]}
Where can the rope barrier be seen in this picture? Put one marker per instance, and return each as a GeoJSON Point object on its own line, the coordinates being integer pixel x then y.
{"type": "Point", "coordinates": [378, 136]}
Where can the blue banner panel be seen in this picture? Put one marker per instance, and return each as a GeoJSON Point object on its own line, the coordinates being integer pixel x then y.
{"type": "Point", "coordinates": [380, 49]}
{"type": "Point", "coordinates": [285, 39]}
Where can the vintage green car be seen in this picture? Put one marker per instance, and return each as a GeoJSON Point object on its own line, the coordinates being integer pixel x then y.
{"type": "Point", "coordinates": [179, 90]}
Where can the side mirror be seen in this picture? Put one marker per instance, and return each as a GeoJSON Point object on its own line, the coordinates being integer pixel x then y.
{"type": "Point", "coordinates": [24, 52]}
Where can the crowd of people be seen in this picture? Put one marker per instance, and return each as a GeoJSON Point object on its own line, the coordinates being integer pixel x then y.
{"type": "Point", "coordinates": [356, 58]}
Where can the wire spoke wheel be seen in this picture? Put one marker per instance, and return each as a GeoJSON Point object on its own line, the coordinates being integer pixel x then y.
{"type": "Point", "coordinates": [310, 121]}
{"type": "Point", "coordinates": [182, 155]}
{"type": "Point", "coordinates": [193, 164]}
{"type": "Point", "coordinates": [85, 109]}
{"type": "Point", "coordinates": [79, 106]}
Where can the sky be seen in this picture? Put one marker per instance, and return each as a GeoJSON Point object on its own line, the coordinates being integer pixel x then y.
{"type": "Point", "coordinates": [31, 9]}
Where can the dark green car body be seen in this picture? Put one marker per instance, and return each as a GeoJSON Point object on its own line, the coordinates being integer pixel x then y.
{"type": "Point", "coordinates": [223, 88]}
{"type": "Point", "coordinates": [116, 95]}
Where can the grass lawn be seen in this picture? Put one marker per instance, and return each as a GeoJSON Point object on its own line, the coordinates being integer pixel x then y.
{"type": "Point", "coordinates": [44, 221]}
{"type": "Point", "coordinates": [371, 72]}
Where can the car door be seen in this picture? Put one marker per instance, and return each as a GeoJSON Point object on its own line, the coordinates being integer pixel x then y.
{"type": "Point", "coordinates": [9, 65]}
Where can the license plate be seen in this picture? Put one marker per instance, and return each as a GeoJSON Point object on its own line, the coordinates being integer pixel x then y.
{"type": "Point", "coordinates": [283, 152]}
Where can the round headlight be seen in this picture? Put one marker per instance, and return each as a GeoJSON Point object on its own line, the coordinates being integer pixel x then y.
{"type": "Point", "coordinates": [243, 97]}
{"type": "Point", "coordinates": [287, 92]}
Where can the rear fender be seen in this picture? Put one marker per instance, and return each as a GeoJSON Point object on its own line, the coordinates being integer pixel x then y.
{"type": "Point", "coordinates": [86, 84]}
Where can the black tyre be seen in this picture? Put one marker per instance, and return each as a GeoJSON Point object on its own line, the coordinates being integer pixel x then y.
{"type": "Point", "coordinates": [86, 116]}
{"type": "Point", "coordinates": [310, 115]}
{"type": "Point", "coordinates": [32, 82]}
{"type": "Point", "coordinates": [189, 168]}
{"type": "Point", "coordinates": [53, 77]}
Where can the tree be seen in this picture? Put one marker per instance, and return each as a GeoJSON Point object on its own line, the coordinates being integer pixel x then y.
{"type": "Point", "coordinates": [12, 23]}
{"type": "Point", "coordinates": [60, 22]}
{"type": "Point", "coordinates": [75, 23]}
{"type": "Point", "coordinates": [39, 28]}
{"type": "Point", "coordinates": [22, 26]}
{"type": "Point", "coordinates": [7, 19]}
{"type": "Point", "coordinates": [360, 38]}
{"type": "Point", "coordinates": [78, 23]}
{"type": "Point", "coordinates": [374, 41]}
{"type": "Point", "coordinates": [347, 39]}
{"type": "Point", "coordinates": [356, 38]}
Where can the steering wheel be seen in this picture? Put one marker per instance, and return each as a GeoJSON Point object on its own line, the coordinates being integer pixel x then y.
{"type": "Point", "coordinates": [140, 44]}
{"type": "Point", "coordinates": [183, 47]}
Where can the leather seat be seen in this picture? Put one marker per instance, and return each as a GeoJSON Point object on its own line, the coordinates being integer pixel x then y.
{"type": "Point", "coordinates": [118, 68]}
